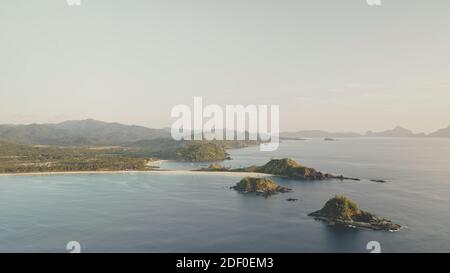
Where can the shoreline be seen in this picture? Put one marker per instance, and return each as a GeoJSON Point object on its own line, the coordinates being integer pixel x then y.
{"type": "Point", "coordinates": [170, 172]}
{"type": "Point", "coordinates": [156, 163]}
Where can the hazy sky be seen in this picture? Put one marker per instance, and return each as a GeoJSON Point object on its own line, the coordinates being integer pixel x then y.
{"type": "Point", "coordinates": [334, 65]}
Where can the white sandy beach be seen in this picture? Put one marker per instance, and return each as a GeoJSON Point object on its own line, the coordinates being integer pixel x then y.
{"type": "Point", "coordinates": [156, 163]}
{"type": "Point", "coordinates": [189, 172]}
{"type": "Point", "coordinates": [159, 172]}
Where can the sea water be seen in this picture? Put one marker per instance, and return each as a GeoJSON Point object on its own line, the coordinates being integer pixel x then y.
{"type": "Point", "coordinates": [188, 212]}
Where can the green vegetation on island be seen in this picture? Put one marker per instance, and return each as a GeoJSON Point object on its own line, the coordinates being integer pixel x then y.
{"type": "Point", "coordinates": [198, 151]}
{"type": "Point", "coordinates": [291, 169]}
{"type": "Point", "coordinates": [263, 186]}
{"type": "Point", "coordinates": [186, 150]}
{"type": "Point", "coordinates": [340, 210]}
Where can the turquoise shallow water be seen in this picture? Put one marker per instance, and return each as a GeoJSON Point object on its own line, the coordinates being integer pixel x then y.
{"type": "Point", "coordinates": [199, 213]}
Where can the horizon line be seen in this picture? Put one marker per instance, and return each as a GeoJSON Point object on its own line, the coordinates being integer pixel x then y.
{"type": "Point", "coordinates": [168, 127]}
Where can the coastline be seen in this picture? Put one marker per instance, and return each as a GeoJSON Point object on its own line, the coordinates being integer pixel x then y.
{"type": "Point", "coordinates": [156, 163]}
{"type": "Point", "coordinates": [165, 172]}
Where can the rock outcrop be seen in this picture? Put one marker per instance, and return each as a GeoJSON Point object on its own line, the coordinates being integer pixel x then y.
{"type": "Point", "coordinates": [378, 180]}
{"type": "Point", "coordinates": [291, 169]}
{"type": "Point", "coordinates": [260, 186]}
{"type": "Point", "coordinates": [342, 211]}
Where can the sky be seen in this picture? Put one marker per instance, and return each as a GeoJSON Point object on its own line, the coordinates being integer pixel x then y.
{"type": "Point", "coordinates": [331, 65]}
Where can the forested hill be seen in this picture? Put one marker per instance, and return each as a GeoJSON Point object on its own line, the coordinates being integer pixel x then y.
{"type": "Point", "coordinates": [79, 133]}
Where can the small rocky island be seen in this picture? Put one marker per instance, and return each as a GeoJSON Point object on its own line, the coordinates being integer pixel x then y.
{"type": "Point", "coordinates": [342, 211]}
{"type": "Point", "coordinates": [378, 180]}
{"type": "Point", "coordinates": [291, 169]}
{"type": "Point", "coordinates": [260, 186]}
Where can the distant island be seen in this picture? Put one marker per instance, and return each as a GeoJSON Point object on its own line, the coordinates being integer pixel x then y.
{"type": "Point", "coordinates": [396, 132]}
{"type": "Point", "coordinates": [340, 210]}
{"type": "Point", "coordinates": [445, 132]}
{"type": "Point", "coordinates": [301, 135]}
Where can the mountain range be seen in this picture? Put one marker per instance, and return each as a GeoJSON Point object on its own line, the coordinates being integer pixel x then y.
{"type": "Point", "coordinates": [396, 132]}
{"type": "Point", "coordinates": [91, 132]}
{"type": "Point", "coordinates": [445, 132]}
{"type": "Point", "coordinates": [79, 133]}
{"type": "Point", "coordinates": [317, 133]}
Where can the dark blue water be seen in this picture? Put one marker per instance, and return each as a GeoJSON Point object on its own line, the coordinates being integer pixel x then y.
{"type": "Point", "coordinates": [160, 212]}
